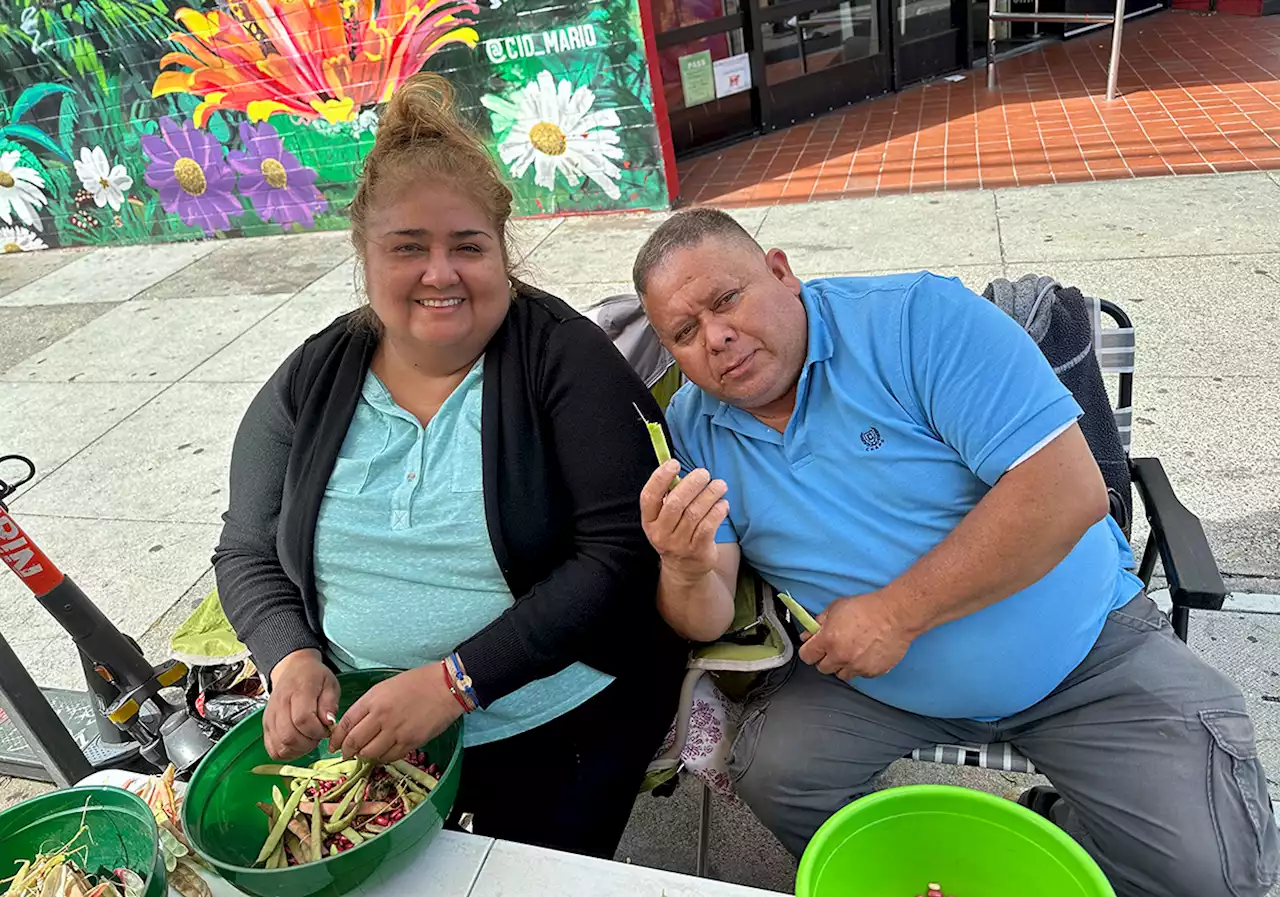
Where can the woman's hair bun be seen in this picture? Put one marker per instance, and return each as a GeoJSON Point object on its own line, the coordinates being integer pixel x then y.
{"type": "Point", "coordinates": [422, 108]}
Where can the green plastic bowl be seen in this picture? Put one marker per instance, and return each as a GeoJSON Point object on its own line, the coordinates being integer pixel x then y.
{"type": "Point", "coordinates": [226, 828]}
{"type": "Point", "coordinates": [121, 832]}
{"type": "Point", "coordinates": [897, 841]}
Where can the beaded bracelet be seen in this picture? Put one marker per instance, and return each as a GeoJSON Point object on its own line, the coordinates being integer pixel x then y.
{"type": "Point", "coordinates": [448, 683]}
{"type": "Point", "coordinates": [463, 680]}
{"type": "Point", "coordinates": [460, 683]}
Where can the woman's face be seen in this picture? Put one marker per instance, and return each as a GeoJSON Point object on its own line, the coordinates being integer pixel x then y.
{"type": "Point", "coordinates": [436, 272]}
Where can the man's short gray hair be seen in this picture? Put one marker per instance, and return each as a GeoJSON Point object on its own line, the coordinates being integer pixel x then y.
{"type": "Point", "coordinates": [684, 230]}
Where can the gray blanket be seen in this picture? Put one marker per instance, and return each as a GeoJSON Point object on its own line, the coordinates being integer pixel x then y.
{"type": "Point", "coordinates": [1061, 321]}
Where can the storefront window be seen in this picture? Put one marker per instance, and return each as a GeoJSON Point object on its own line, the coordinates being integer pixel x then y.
{"type": "Point", "coordinates": [815, 41]}
{"type": "Point", "coordinates": [673, 14]}
{"type": "Point", "coordinates": [923, 18]}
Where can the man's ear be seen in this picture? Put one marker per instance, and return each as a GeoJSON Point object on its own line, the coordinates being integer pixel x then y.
{"type": "Point", "coordinates": [780, 267]}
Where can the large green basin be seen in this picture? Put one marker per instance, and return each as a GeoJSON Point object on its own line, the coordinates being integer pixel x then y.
{"type": "Point", "coordinates": [227, 829]}
{"type": "Point", "coordinates": [896, 842]}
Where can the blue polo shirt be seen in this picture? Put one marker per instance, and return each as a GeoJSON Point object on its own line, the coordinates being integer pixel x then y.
{"type": "Point", "coordinates": [915, 397]}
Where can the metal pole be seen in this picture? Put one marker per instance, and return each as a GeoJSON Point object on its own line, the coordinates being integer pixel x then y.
{"type": "Point", "coordinates": [1113, 70]}
{"type": "Point", "coordinates": [704, 831]}
{"type": "Point", "coordinates": [44, 732]}
{"type": "Point", "coordinates": [991, 45]}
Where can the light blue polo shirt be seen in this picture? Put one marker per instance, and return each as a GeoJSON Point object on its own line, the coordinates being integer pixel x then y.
{"type": "Point", "coordinates": [915, 397]}
{"type": "Point", "coordinates": [403, 563]}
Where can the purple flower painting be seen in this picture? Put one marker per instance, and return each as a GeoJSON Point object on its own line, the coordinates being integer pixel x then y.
{"type": "Point", "coordinates": [279, 186]}
{"type": "Point", "coordinates": [188, 171]}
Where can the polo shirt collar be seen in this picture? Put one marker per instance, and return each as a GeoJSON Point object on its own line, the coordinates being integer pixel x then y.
{"type": "Point", "coordinates": [820, 348]}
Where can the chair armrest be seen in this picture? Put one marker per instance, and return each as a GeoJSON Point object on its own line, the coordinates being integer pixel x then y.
{"type": "Point", "coordinates": [1194, 580]}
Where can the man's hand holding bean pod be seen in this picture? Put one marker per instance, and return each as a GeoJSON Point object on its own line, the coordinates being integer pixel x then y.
{"type": "Point", "coordinates": [681, 520]}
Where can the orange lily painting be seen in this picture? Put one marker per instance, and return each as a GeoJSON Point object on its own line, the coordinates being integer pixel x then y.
{"type": "Point", "coordinates": [315, 59]}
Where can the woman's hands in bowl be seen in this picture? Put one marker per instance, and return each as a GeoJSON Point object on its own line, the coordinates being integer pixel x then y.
{"type": "Point", "coordinates": [397, 715]}
{"type": "Point", "coordinates": [304, 699]}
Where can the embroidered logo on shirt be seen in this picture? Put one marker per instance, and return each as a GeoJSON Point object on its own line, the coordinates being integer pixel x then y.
{"type": "Point", "coordinates": [872, 439]}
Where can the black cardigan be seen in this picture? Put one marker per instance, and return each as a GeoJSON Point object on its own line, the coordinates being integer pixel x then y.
{"type": "Point", "coordinates": [564, 458]}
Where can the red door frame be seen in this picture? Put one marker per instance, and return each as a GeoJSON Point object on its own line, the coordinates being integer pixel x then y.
{"type": "Point", "coordinates": [659, 101]}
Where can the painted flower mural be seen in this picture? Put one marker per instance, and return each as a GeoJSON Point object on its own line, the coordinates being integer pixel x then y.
{"type": "Point", "coordinates": [193, 180]}
{"type": "Point", "coordinates": [106, 183]}
{"type": "Point", "coordinates": [279, 186]}
{"type": "Point", "coordinates": [145, 121]}
{"type": "Point", "coordinates": [21, 190]}
{"type": "Point", "coordinates": [19, 239]}
{"type": "Point", "coordinates": [551, 126]}
{"type": "Point", "coordinates": [324, 59]}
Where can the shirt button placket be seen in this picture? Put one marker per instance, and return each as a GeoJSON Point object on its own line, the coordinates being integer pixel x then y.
{"type": "Point", "coordinates": [402, 512]}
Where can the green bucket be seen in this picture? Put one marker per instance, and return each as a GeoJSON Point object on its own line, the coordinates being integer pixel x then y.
{"type": "Point", "coordinates": [226, 828]}
{"type": "Point", "coordinates": [896, 842]}
{"type": "Point", "coordinates": [121, 832]}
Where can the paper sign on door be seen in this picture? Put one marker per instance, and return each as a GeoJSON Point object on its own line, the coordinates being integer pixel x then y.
{"type": "Point", "coordinates": [733, 75]}
{"type": "Point", "coordinates": [695, 78]}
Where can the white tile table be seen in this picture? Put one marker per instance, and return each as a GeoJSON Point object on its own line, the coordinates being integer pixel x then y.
{"type": "Point", "coordinates": [461, 865]}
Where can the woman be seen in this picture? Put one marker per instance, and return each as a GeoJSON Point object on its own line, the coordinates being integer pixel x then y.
{"type": "Point", "coordinates": [444, 482]}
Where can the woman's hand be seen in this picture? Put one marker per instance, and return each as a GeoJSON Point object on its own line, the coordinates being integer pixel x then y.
{"type": "Point", "coordinates": [304, 698]}
{"type": "Point", "coordinates": [397, 715]}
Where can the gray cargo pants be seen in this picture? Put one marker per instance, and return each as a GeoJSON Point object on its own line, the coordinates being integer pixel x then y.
{"type": "Point", "coordinates": [1150, 747]}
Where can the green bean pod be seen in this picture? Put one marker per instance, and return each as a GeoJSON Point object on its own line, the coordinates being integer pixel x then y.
{"type": "Point", "coordinates": [317, 830]}
{"type": "Point", "coordinates": [281, 824]}
{"type": "Point", "coordinates": [803, 617]}
{"type": "Point", "coordinates": [417, 775]}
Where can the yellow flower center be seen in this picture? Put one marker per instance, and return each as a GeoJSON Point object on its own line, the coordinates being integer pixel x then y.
{"type": "Point", "coordinates": [190, 176]}
{"type": "Point", "coordinates": [12, 247]}
{"type": "Point", "coordinates": [548, 138]}
{"type": "Point", "coordinates": [106, 184]}
{"type": "Point", "coordinates": [6, 179]}
{"type": "Point", "coordinates": [275, 174]}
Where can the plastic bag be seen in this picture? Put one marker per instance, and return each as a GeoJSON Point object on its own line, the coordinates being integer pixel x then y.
{"type": "Point", "coordinates": [206, 638]}
{"type": "Point", "coordinates": [222, 695]}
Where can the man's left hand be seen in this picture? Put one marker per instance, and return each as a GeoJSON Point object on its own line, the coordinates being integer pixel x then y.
{"type": "Point", "coordinates": [397, 715]}
{"type": "Point", "coordinates": [860, 636]}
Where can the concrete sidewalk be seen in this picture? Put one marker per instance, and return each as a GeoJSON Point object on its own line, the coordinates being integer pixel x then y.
{"type": "Point", "coordinates": [124, 372]}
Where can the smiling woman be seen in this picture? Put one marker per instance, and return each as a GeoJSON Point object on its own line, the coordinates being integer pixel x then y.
{"type": "Point", "coordinates": [411, 490]}
{"type": "Point", "coordinates": [429, 223]}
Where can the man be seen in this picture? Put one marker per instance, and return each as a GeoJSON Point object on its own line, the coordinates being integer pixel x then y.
{"type": "Point", "coordinates": [898, 455]}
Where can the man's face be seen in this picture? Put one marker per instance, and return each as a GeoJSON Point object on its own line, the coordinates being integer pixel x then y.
{"type": "Point", "coordinates": [732, 317]}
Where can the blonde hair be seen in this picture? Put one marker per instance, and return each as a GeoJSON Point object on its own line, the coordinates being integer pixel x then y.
{"type": "Point", "coordinates": [420, 137]}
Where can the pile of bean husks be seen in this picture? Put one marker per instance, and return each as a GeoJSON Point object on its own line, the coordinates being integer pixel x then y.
{"type": "Point", "coordinates": [335, 804]}
{"type": "Point", "coordinates": [60, 873]}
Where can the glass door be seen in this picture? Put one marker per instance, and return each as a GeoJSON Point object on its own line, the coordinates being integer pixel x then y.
{"type": "Point", "coordinates": [704, 64]}
{"type": "Point", "coordinates": [818, 55]}
{"type": "Point", "coordinates": [930, 38]}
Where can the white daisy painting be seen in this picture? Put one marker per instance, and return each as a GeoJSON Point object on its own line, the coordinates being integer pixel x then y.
{"type": "Point", "coordinates": [19, 239]}
{"type": "Point", "coordinates": [551, 125]}
{"type": "Point", "coordinates": [107, 183]}
{"type": "Point", "coordinates": [21, 191]}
